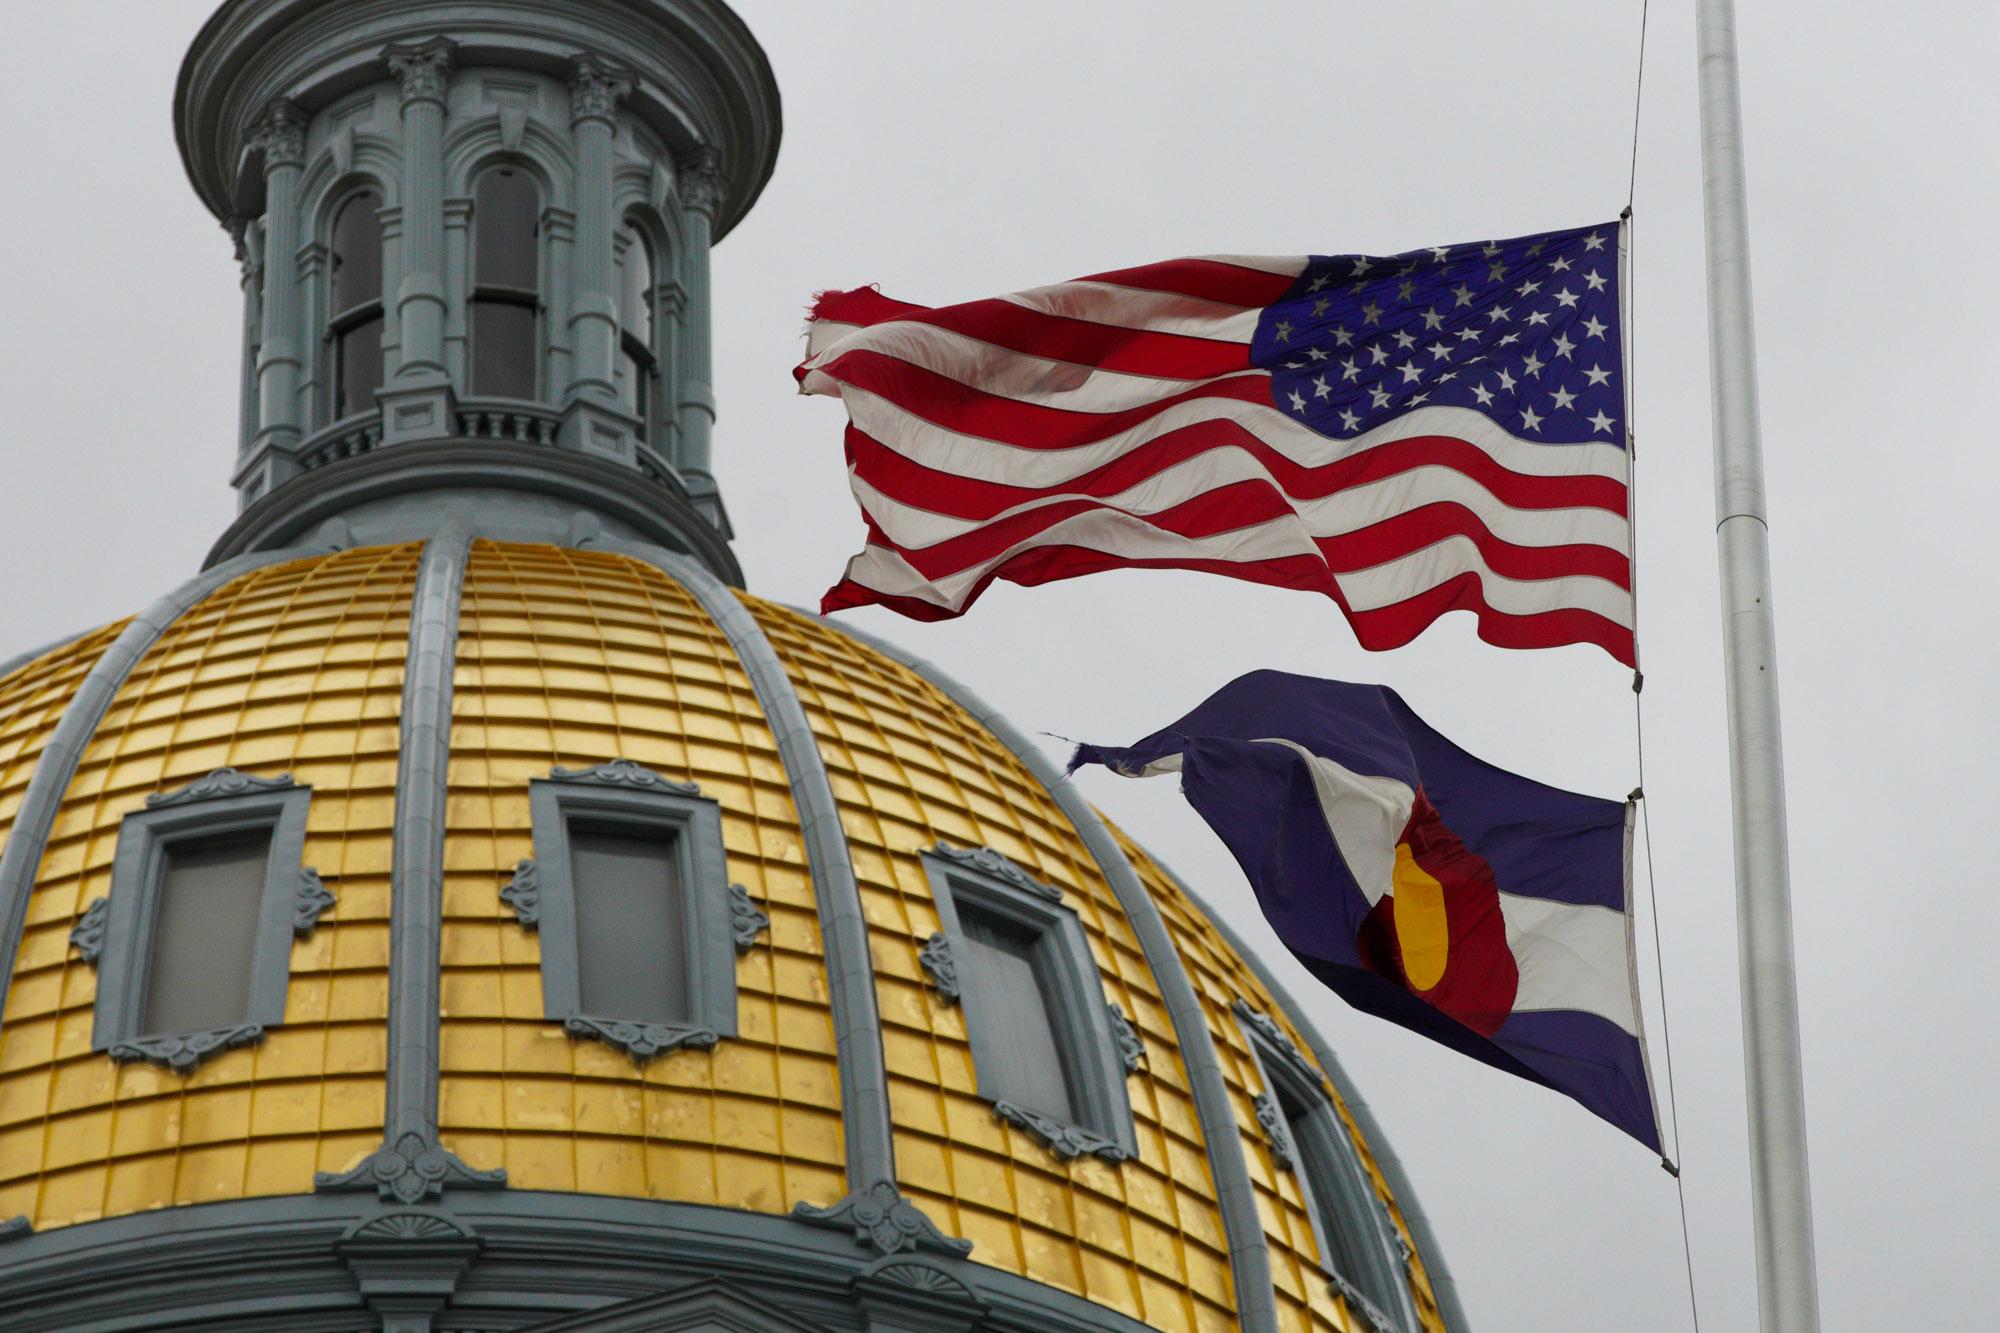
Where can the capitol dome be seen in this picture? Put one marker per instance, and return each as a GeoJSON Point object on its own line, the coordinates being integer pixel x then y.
{"type": "Point", "coordinates": [461, 906]}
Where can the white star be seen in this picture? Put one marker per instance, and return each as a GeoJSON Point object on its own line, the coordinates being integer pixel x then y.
{"type": "Point", "coordinates": [1406, 290]}
{"type": "Point", "coordinates": [1320, 387]}
{"type": "Point", "coordinates": [1468, 334]}
{"type": "Point", "coordinates": [1416, 398]}
{"type": "Point", "coordinates": [1563, 345]}
{"type": "Point", "coordinates": [1498, 313]}
{"type": "Point", "coordinates": [1566, 299]}
{"type": "Point", "coordinates": [1595, 280]}
{"type": "Point", "coordinates": [1295, 365]}
{"type": "Point", "coordinates": [1507, 381]}
{"type": "Point", "coordinates": [1532, 366]}
{"type": "Point", "coordinates": [1447, 377]}
{"type": "Point", "coordinates": [1319, 282]}
{"type": "Point", "coordinates": [1440, 352]}
{"type": "Point", "coordinates": [1490, 249]}
{"type": "Point", "coordinates": [1349, 371]}
{"type": "Point", "coordinates": [1597, 374]}
{"type": "Point", "coordinates": [1561, 264]}
{"type": "Point", "coordinates": [1530, 420]}
{"type": "Point", "coordinates": [1594, 327]}
{"type": "Point", "coordinates": [1298, 401]}
{"type": "Point", "coordinates": [1348, 421]}
{"type": "Point", "coordinates": [1535, 250]}
{"type": "Point", "coordinates": [1463, 293]}
{"type": "Point", "coordinates": [1361, 266]}
{"type": "Point", "coordinates": [1380, 395]}
{"type": "Point", "coordinates": [1529, 288]}
{"type": "Point", "coordinates": [1538, 317]}
{"type": "Point", "coordinates": [1600, 422]}
{"type": "Point", "coordinates": [1507, 338]}
{"type": "Point", "coordinates": [1411, 372]}
{"type": "Point", "coordinates": [1483, 394]}
{"type": "Point", "coordinates": [1318, 353]}
{"type": "Point", "coordinates": [1432, 319]}
{"type": "Point", "coordinates": [1563, 399]}
{"type": "Point", "coordinates": [1405, 340]}
{"type": "Point", "coordinates": [1495, 271]}
{"type": "Point", "coordinates": [1341, 337]}
{"type": "Point", "coordinates": [1373, 312]}
{"type": "Point", "coordinates": [1379, 353]}
{"type": "Point", "coordinates": [1440, 252]}
{"type": "Point", "coordinates": [1284, 330]}
{"type": "Point", "coordinates": [1320, 307]}
{"type": "Point", "coordinates": [1593, 242]}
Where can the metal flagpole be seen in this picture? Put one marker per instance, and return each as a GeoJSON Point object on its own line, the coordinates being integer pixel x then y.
{"type": "Point", "coordinates": [1780, 1187]}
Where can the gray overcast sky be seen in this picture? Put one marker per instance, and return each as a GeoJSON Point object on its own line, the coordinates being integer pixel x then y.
{"type": "Point", "coordinates": [951, 151]}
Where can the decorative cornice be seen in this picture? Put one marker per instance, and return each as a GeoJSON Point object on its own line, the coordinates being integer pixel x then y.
{"type": "Point", "coordinates": [410, 1171]}
{"type": "Point", "coordinates": [309, 902]}
{"type": "Point", "coordinates": [408, 1227]}
{"type": "Point", "coordinates": [880, 1216]}
{"type": "Point", "coordinates": [218, 784]}
{"type": "Point", "coordinates": [938, 960]}
{"type": "Point", "coordinates": [280, 132]}
{"type": "Point", "coordinates": [641, 1041]}
{"type": "Point", "coordinates": [1276, 1133]}
{"type": "Point", "coordinates": [701, 181]}
{"type": "Point", "coordinates": [910, 1291]}
{"type": "Point", "coordinates": [595, 88]}
{"type": "Point", "coordinates": [423, 68]}
{"type": "Point", "coordinates": [624, 773]}
{"type": "Point", "coordinates": [87, 936]}
{"type": "Point", "coordinates": [989, 862]}
{"type": "Point", "coordinates": [1268, 1029]}
{"type": "Point", "coordinates": [523, 893]}
{"type": "Point", "coordinates": [1065, 1140]}
{"type": "Point", "coordinates": [746, 922]}
{"type": "Point", "coordinates": [183, 1054]}
{"type": "Point", "coordinates": [1131, 1047]}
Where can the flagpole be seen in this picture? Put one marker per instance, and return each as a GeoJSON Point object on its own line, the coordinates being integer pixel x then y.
{"type": "Point", "coordinates": [1780, 1185]}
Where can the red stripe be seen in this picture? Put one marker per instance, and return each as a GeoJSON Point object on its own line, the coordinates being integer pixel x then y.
{"type": "Point", "coordinates": [974, 497]}
{"type": "Point", "coordinates": [1060, 338]}
{"type": "Point", "coordinates": [1230, 284]}
{"type": "Point", "coordinates": [863, 305]}
{"type": "Point", "coordinates": [1377, 630]}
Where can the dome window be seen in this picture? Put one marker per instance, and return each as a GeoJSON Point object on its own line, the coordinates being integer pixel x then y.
{"type": "Point", "coordinates": [1045, 1047]}
{"type": "Point", "coordinates": [1358, 1246]}
{"type": "Point", "coordinates": [639, 925]}
{"type": "Point", "coordinates": [637, 363]}
{"type": "Point", "coordinates": [506, 284]}
{"type": "Point", "coordinates": [354, 333]}
{"type": "Point", "coordinates": [193, 944]}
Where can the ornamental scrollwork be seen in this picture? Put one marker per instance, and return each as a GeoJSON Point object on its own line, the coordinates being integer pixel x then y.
{"type": "Point", "coordinates": [222, 782]}
{"type": "Point", "coordinates": [1131, 1047]}
{"type": "Point", "coordinates": [523, 893]}
{"type": "Point", "coordinates": [746, 921]}
{"type": "Point", "coordinates": [1274, 1036]}
{"type": "Point", "coordinates": [882, 1217]}
{"type": "Point", "coordinates": [939, 961]}
{"type": "Point", "coordinates": [184, 1054]}
{"type": "Point", "coordinates": [641, 1041]}
{"type": "Point", "coordinates": [410, 1227]}
{"type": "Point", "coordinates": [410, 1170]}
{"type": "Point", "coordinates": [624, 773]}
{"type": "Point", "coordinates": [1276, 1132]}
{"type": "Point", "coordinates": [1066, 1141]}
{"type": "Point", "coordinates": [701, 182]}
{"type": "Point", "coordinates": [595, 88]}
{"type": "Point", "coordinates": [423, 68]}
{"type": "Point", "coordinates": [310, 901]}
{"type": "Point", "coordinates": [281, 133]}
{"type": "Point", "coordinates": [986, 861]}
{"type": "Point", "coordinates": [1376, 1318]}
{"type": "Point", "coordinates": [87, 936]}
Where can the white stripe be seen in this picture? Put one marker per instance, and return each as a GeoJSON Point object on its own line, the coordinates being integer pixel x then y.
{"type": "Point", "coordinates": [822, 334]}
{"type": "Point", "coordinates": [1132, 538]}
{"type": "Point", "coordinates": [1342, 512]}
{"type": "Point", "coordinates": [1137, 308]}
{"type": "Point", "coordinates": [1365, 813]}
{"type": "Point", "coordinates": [1042, 380]}
{"type": "Point", "coordinates": [1570, 957]}
{"type": "Point", "coordinates": [1285, 266]}
{"type": "Point", "coordinates": [945, 450]}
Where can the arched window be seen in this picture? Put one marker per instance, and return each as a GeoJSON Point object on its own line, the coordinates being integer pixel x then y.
{"type": "Point", "coordinates": [506, 284]}
{"type": "Point", "coordinates": [636, 361]}
{"type": "Point", "coordinates": [354, 329]}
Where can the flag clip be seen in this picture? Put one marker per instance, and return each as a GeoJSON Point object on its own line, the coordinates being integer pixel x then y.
{"type": "Point", "coordinates": [1667, 1166]}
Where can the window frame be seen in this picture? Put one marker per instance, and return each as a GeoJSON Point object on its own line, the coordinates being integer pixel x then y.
{"type": "Point", "coordinates": [1081, 1015]}
{"type": "Point", "coordinates": [339, 323]}
{"type": "Point", "coordinates": [1329, 1173]}
{"type": "Point", "coordinates": [117, 934]}
{"type": "Point", "coordinates": [718, 920]}
{"type": "Point", "coordinates": [525, 298]}
{"type": "Point", "coordinates": [643, 352]}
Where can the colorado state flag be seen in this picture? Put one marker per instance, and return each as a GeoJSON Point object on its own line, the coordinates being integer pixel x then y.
{"type": "Point", "coordinates": [1423, 885]}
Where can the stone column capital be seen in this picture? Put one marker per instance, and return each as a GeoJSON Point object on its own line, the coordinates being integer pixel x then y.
{"type": "Point", "coordinates": [423, 68]}
{"type": "Point", "coordinates": [700, 181]}
{"type": "Point", "coordinates": [595, 87]}
{"type": "Point", "coordinates": [280, 131]}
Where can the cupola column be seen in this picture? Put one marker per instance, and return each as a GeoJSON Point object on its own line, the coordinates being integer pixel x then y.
{"type": "Point", "coordinates": [416, 403]}
{"type": "Point", "coordinates": [700, 189]}
{"type": "Point", "coordinates": [593, 421]}
{"type": "Point", "coordinates": [281, 135]}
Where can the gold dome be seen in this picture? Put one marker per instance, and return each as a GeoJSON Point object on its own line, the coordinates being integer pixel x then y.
{"type": "Point", "coordinates": [569, 657]}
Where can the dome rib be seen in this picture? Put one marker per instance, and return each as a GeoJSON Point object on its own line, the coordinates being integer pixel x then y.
{"type": "Point", "coordinates": [28, 838]}
{"type": "Point", "coordinates": [1249, 1252]}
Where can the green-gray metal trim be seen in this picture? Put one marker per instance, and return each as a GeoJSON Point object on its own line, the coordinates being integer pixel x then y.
{"type": "Point", "coordinates": [1442, 1284]}
{"type": "Point", "coordinates": [411, 1164]}
{"type": "Point", "coordinates": [28, 839]}
{"type": "Point", "coordinates": [1249, 1252]}
{"type": "Point", "coordinates": [850, 968]}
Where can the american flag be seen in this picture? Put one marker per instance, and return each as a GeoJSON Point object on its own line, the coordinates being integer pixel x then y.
{"type": "Point", "coordinates": [1412, 434]}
